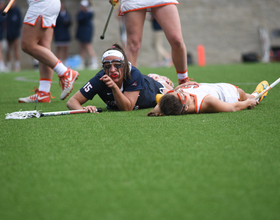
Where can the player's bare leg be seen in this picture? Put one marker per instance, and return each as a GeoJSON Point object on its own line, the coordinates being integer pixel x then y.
{"type": "Point", "coordinates": [134, 22]}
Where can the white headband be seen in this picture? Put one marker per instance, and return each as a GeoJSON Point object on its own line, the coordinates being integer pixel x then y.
{"type": "Point", "coordinates": [115, 53]}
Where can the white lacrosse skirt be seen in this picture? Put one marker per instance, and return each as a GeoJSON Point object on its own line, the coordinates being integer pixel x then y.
{"type": "Point", "coordinates": [134, 5]}
{"type": "Point", "coordinates": [47, 9]}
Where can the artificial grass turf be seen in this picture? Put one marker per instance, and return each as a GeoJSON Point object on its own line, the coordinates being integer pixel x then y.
{"type": "Point", "coordinates": [124, 165]}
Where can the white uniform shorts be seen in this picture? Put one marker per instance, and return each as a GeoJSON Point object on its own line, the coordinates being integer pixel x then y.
{"type": "Point", "coordinates": [133, 5]}
{"type": "Point", "coordinates": [47, 9]}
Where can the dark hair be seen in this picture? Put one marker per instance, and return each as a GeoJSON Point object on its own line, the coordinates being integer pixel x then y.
{"type": "Point", "coordinates": [168, 105]}
{"type": "Point", "coordinates": [125, 65]}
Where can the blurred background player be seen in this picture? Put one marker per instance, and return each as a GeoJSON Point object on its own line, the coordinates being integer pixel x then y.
{"type": "Point", "coordinates": [166, 14]}
{"type": "Point", "coordinates": [36, 38]}
{"type": "Point", "coordinates": [3, 67]}
{"type": "Point", "coordinates": [123, 36]}
{"type": "Point", "coordinates": [162, 56]}
{"type": "Point", "coordinates": [13, 27]}
{"type": "Point", "coordinates": [85, 33]}
{"type": "Point", "coordinates": [62, 35]}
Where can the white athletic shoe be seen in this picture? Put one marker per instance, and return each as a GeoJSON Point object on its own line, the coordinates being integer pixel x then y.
{"type": "Point", "coordinates": [67, 81]}
{"type": "Point", "coordinates": [39, 96]}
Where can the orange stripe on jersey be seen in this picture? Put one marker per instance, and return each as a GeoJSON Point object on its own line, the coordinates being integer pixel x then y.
{"type": "Point", "coordinates": [237, 93]}
{"type": "Point", "coordinates": [202, 103]}
{"type": "Point", "coordinates": [195, 102]}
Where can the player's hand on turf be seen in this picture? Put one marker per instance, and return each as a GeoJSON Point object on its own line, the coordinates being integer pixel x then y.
{"type": "Point", "coordinates": [91, 109]}
{"type": "Point", "coordinates": [252, 103]}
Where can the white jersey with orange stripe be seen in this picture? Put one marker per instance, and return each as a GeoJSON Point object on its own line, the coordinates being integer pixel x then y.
{"type": "Point", "coordinates": [223, 91]}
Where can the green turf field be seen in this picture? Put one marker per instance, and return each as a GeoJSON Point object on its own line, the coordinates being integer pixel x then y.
{"type": "Point", "coordinates": [125, 165]}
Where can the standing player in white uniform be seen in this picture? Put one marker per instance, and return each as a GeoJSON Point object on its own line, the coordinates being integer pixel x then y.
{"type": "Point", "coordinates": [207, 98]}
{"type": "Point", "coordinates": [36, 38]}
{"type": "Point", "coordinates": [166, 14]}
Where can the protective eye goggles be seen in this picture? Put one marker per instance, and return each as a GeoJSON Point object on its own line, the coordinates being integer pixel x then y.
{"type": "Point", "coordinates": [107, 64]}
{"type": "Point", "coordinates": [180, 94]}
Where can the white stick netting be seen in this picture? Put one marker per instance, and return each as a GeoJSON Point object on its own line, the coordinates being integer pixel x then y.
{"type": "Point", "coordinates": [23, 115]}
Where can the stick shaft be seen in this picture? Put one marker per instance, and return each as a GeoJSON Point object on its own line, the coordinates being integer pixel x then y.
{"type": "Point", "coordinates": [268, 88]}
{"type": "Point", "coordinates": [68, 112]}
{"type": "Point", "coordinates": [8, 7]}
{"type": "Point", "coordinates": [64, 112]}
{"type": "Point", "coordinates": [107, 22]}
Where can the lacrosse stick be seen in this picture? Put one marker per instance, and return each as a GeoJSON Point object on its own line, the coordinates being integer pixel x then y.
{"type": "Point", "coordinates": [107, 22]}
{"type": "Point", "coordinates": [7, 7]}
{"type": "Point", "coordinates": [268, 88]}
{"type": "Point", "coordinates": [36, 114]}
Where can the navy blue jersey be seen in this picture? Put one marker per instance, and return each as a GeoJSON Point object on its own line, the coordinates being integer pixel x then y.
{"type": "Point", "coordinates": [85, 30]}
{"type": "Point", "coordinates": [155, 25]}
{"type": "Point", "coordinates": [148, 89]}
{"type": "Point", "coordinates": [14, 23]}
{"type": "Point", "coordinates": [2, 21]}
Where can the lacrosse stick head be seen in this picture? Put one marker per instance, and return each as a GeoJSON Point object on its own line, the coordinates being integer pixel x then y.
{"type": "Point", "coordinates": [23, 115]}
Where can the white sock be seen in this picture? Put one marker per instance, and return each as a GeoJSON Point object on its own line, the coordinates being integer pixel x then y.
{"type": "Point", "coordinates": [59, 68]}
{"type": "Point", "coordinates": [17, 64]}
{"type": "Point", "coordinates": [182, 75]}
{"type": "Point", "coordinates": [9, 65]}
{"type": "Point", "coordinates": [93, 60]}
{"type": "Point", "coordinates": [45, 85]}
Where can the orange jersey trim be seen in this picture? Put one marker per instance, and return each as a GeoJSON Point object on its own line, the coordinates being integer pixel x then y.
{"type": "Point", "coordinates": [195, 102]}
{"type": "Point", "coordinates": [202, 103]}
{"type": "Point", "coordinates": [153, 6]}
{"type": "Point", "coordinates": [237, 93]}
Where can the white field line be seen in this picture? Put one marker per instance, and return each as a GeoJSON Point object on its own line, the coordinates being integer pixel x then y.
{"type": "Point", "coordinates": [26, 79]}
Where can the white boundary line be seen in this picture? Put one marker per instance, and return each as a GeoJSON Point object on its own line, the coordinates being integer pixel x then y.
{"type": "Point", "coordinates": [25, 79]}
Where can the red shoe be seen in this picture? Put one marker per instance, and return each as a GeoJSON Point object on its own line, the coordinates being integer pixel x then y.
{"type": "Point", "coordinates": [67, 81]}
{"type": "Point", "coordinates": [40, 96]}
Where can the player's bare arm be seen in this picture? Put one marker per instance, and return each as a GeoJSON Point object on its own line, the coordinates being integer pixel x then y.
{"type": "Point", "coordinates": [76, 101]}
{"type": "Point", "coordinates": [213, 105]}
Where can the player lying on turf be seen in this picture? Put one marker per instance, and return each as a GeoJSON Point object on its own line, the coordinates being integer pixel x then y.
{"type": "Point", "coordinates": [120, 85]}
{"type": "Point", "coordinates": [207, 98]}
